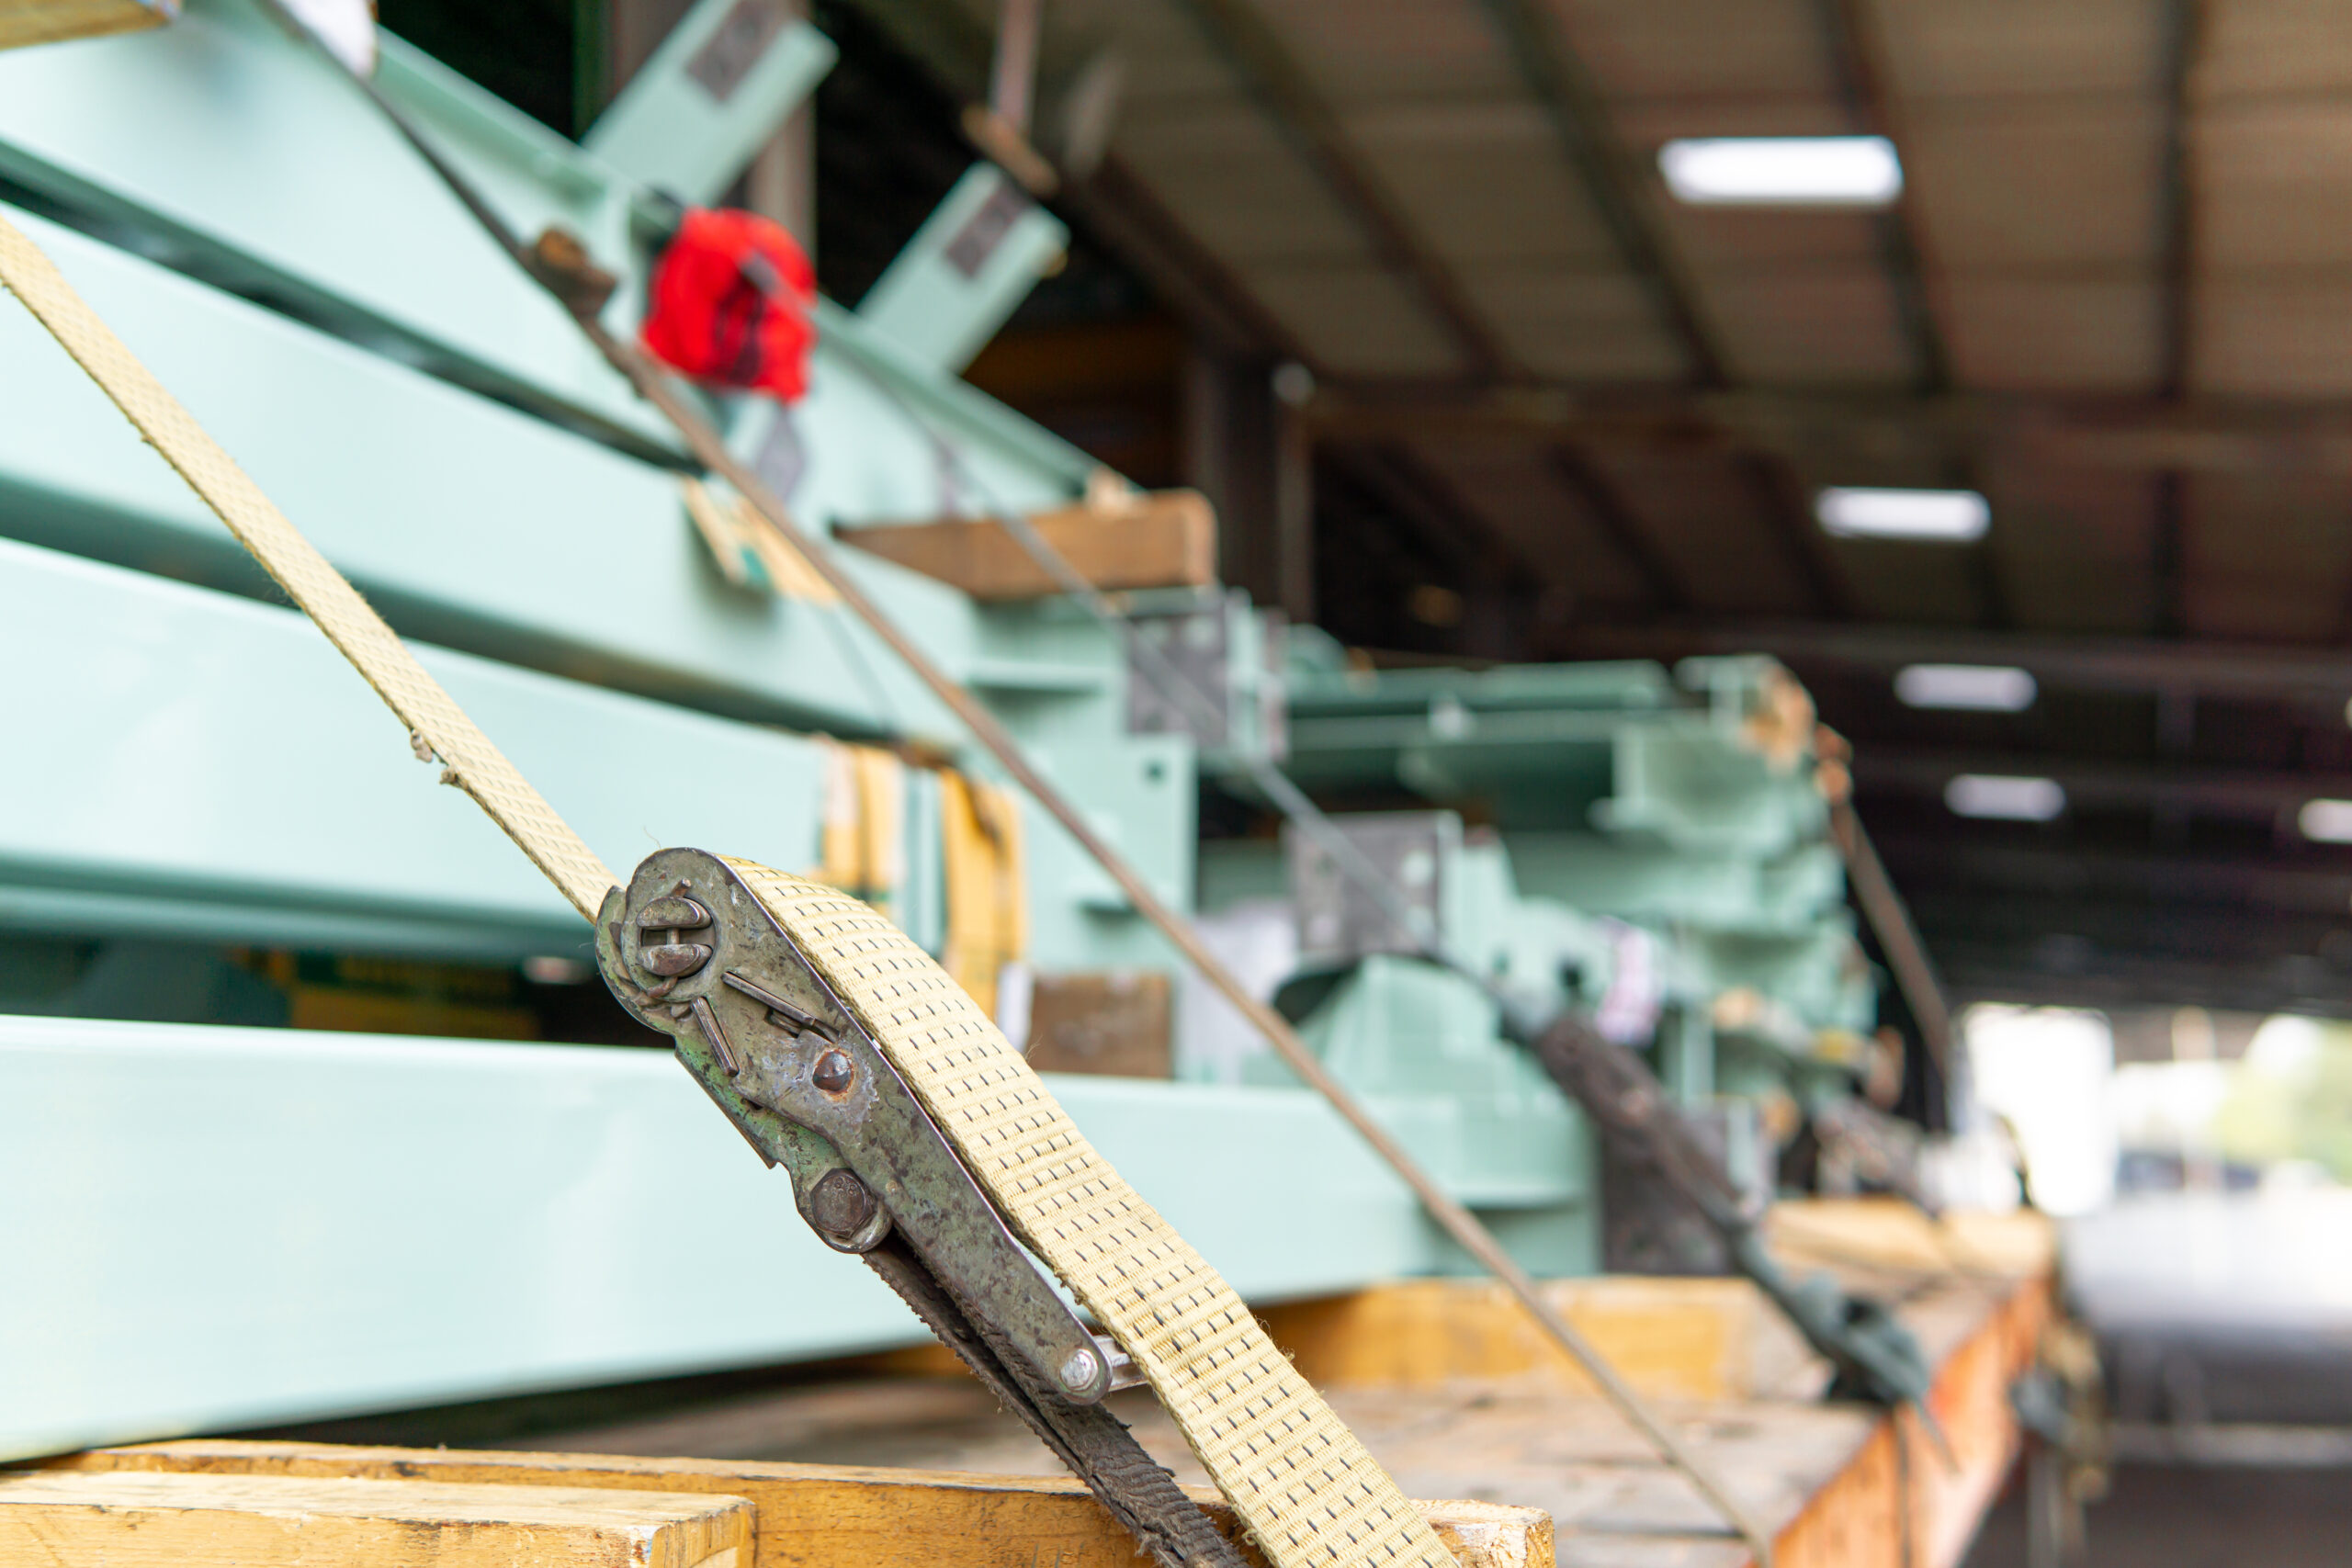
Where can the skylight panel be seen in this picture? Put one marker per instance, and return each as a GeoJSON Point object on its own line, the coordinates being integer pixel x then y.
{"type": "Point", "coordinates": [2004, 798]}
{"type": "Point", "coordinates": [1978, 688]}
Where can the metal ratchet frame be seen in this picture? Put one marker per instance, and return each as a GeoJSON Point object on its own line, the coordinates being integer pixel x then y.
{"type": "Point", "coordinates": [690, 951]}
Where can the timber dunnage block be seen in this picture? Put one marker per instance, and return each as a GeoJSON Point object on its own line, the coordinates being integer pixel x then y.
{"type": "Point", "coordinates": [151, 1520]}
{"type": "Point", "coordinates": [1163, 540]}
{"type": "Point", "coordinates": [1674, 1339]}
{"type": "Point", "coordinates": [1891, 1235]}
{"type": "Point", "coordinates": [26, 22]}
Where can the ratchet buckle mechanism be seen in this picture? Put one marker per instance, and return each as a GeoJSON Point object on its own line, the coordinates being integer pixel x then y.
{"type": "Point", "coordinates": [690, 951]}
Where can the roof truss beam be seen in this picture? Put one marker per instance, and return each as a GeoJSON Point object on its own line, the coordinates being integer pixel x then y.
{"type": "Point", "coordinates": [1857, 61]}
{"type": "Point", "coordinates": [2125, 434]}
{"type": "Point", "coordinates": [1618, 522]}
{"type": "Point", "coordinates": [2176, 208]}
{"type": "Point", "coordinates": [1618, 189]}
{"type": "Point", "coordinates": [2127, 887]}
{"type": "Point", "coordinates": [1282, 88]}
{"type": "Point", "coordinates": [2242, 793]}
{"type": "Point", "coordinates": [2253, 671]}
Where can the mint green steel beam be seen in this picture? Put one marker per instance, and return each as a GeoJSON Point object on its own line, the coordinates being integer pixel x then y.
{"type": "Point", "coordinates": [223, 146]}
{"type": "Point", "coordinates": [224, 141]}
{"type": "Point", "coordinates": [210, 769]}
{"type": "Point", "coordinates": [213, 750]}
{"type": "Point", "coordinates": [965, 271]}
{"type": "Point", "coordinates": [713, 94]}
{"type": "Point", "coordinates": [476, 526]}
{"type": "Point", "coordinates": [229, 1227]}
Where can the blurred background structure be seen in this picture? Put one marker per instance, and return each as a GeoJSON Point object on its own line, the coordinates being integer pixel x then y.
{"type": "Point", "coordinates": [1987, 367]}
{"type": "Point", "coordinates": [1554, 410]}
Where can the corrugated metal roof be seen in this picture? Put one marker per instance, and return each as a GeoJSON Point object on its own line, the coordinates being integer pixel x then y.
{"type": "Point", "coordinates": [2116, 298]}
{"type": "Point", "coordinates": [2047, 252]}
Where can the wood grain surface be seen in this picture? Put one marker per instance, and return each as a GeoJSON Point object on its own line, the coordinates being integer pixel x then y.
{"type": "Point", "coordinates": [1167, 539]}
{"type": "Point", "coordinates": [125, 1518]}
{"type": "Point", "coordinates": [1430, 1380]}
{"type": "Point", "coordinates": [815, 1516]}
{"type": "Point", "coordinates": [1674, 1339]}
{"type": "Point", "coordinates": [24, 22]}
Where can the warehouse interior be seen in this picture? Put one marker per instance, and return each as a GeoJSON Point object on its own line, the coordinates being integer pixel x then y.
{"type": "Point", "coordinates": [1974, 380]}
{"type": "Point", "coordinates": [1594, 418]}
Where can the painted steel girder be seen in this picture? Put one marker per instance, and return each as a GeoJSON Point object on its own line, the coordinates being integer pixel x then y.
{"type": "Point", "coordinates": [481, 527]}
{"type": "Point", "coordinates": [244, 150]}
{"type": "Point", "coordinates": [222, 146]}
{"type": "Point", "coordinates": [227, 1227]}
{"type": "Point", "coordinates": [201, 765]}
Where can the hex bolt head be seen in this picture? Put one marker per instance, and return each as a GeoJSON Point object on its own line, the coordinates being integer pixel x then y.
{"type": "Point", "coordinates": [831, 1073]}
{"type": "Point", "coordinates": [840, 1204]}
{"type": "Point", "coordinates": [1079, 1371]}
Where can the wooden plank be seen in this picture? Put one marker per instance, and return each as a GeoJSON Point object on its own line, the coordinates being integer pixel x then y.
{"type": "Point", "coordinates": [129, 1519]}
{"type": "Point", "coordinates": [1452, 1405]}
{"type": "Point", "coordinates": [1673, 1338]}
{"type": "Point", "coordinates": [26, 22]}
{"type": "Point", "coordinates": [1164, 539]}
{"type": "Point", "coordinates": [1682, 1338]}
{"type": "Point", "coordinates": [1971, 1404]}
{"type": "Point", "coordinates": [823, 1516]}
{"type": "Point", "coordinates": [1857, 1520]}
{"type": "Point", "coordinates": [1889, 1233]}
{"type": "Point", "coordinates": [1842, 1488]}
{"type": "Point", "coordinates": [1907, 1499]}
{"type": "Point", "coordinates": [1847, 1487]}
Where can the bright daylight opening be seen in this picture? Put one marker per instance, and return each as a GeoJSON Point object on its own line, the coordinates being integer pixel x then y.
{"type": "Point", "coordinates": [2044, 1075]}
{"type": "Point", "coordinates": [1782, 171]}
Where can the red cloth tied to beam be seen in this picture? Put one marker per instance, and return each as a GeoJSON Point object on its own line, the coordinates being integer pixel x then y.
{"type": "Point", "coordinates": [729, 303]}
